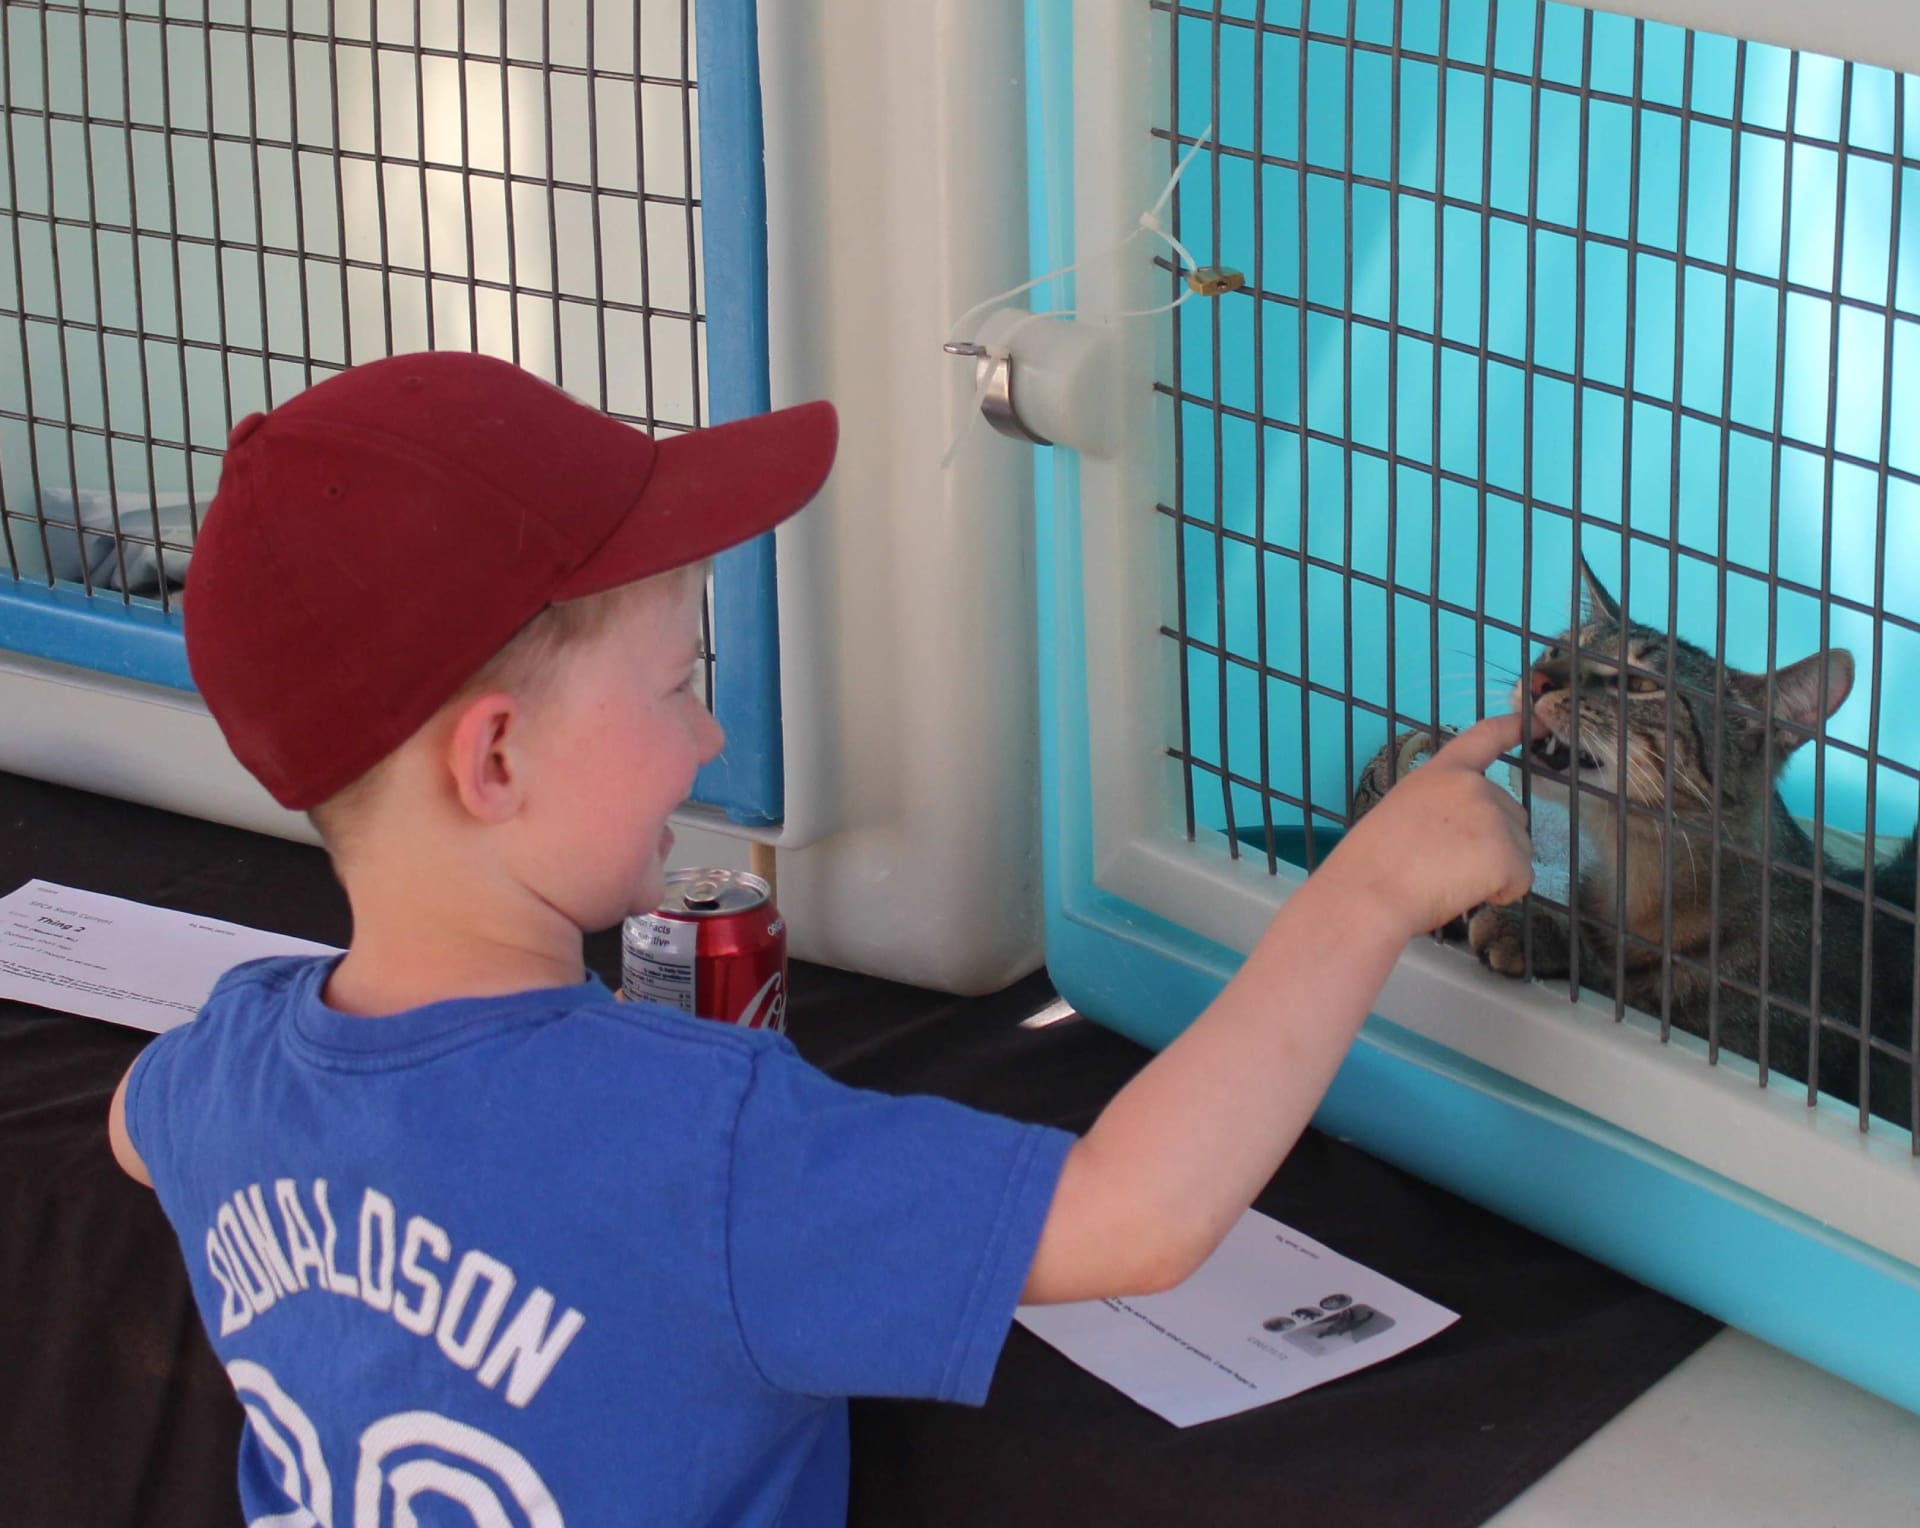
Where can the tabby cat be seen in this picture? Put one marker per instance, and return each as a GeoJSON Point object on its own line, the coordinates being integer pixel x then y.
{"type": "Point", "coordinates": [1806, 694]}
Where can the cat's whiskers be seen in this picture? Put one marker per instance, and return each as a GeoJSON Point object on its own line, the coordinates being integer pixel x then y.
{"type": "Point", "coordinates": [1625, 773]}
{"type": "Point", "coordinates": [1488, 663]}
{"type": "Point", "coordinates": [1649, 781]}
{"type": "Point", "coordinates": [1648, 778]}
{"type": "Point", "coordinates": [1486, 686]}
{"type": "Point", "coordinates": [1665, 780]}
{"type": "Point", "coordinates": [1693, 864]}
{"type": "Point", "coordinates": [1694, 786]}
{"type": "Point", "coordinates": [1689, 830]}
{"type": "Point", "coordinates": [1646, 788]}
{"type": "Point", "coordinates": [1472, 682]}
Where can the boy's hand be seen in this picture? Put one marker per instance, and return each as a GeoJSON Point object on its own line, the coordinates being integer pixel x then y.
{"type": "Point", "coordinates": [1445, 839]}
{"type": "Point", "coordinates": [1182, 1149]}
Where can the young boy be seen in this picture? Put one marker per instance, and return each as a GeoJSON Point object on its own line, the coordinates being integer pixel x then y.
{"type": "Point", "coordinates": [470, 1236]}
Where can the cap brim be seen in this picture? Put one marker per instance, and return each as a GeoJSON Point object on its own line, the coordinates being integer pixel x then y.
{"type": "Point", "coordinates": [713, 489]}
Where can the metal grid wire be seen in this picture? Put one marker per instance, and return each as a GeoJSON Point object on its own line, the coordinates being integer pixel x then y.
{"type": "Point", "coordinates": [1528, 284]}
{"type": "Point", "coordinates": [211, 204]}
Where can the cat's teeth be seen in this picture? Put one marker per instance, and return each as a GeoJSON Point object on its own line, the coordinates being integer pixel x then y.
{"type": "Point", "coordinates": [1553, 753]}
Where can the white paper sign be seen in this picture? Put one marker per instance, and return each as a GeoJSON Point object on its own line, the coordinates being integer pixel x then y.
{"type": "Point", "coordinates": [108, 958]}
{"type": "Point", "coordinates": [1270, 1314]}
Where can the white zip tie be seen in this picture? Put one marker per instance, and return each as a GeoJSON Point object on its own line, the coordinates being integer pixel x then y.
{"type": "Point", "coordinates": [1001, 350]}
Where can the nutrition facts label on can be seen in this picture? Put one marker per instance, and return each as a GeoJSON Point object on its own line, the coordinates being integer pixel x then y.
{"type": "Point", "coordinates": [657, 961]}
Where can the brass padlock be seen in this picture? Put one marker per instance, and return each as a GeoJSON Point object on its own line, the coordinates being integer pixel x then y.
{"type": "Point", "coordinates": [1215, 280]}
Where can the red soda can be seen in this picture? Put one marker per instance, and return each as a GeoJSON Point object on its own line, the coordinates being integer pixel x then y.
{"type": "Point", "coordinates": [715, 948]}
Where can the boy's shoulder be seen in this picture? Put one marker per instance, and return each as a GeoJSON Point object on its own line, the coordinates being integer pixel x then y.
{"type": "Point", "coordinates": [563, 1052]}
{"type": "Point", "coordinates": [264, 976]}
{"type": "Point", "coordinates": [242, 991]}
{"type": "Point", "coordinates": [267, 1014]}
{"type": "Point", "coordinates": [674, 1027]}
{"type": "Point", "coordinates": [585, 1016]}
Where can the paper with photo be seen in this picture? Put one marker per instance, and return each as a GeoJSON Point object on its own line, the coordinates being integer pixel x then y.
{"type": "Point", "coordinates": [1270, 1314]}
{"type": "Point", "coordinates": [107, 958]}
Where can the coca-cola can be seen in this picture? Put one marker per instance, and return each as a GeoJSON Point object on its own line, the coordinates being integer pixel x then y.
{"type": "Point", "coordinates": [715, 948]}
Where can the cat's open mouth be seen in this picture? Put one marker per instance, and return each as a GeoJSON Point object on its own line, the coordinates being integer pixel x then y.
{"type": "Point", "coordinates": [1556, 754]}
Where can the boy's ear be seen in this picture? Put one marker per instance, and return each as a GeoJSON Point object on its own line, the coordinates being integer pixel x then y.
{"type": "Point", "coordinates": [1598, 600]}
{"type": "Point", "coordinates": [481, 756]}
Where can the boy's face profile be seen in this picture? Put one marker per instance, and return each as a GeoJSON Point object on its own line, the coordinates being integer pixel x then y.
{"type": "Point", "coordinates": [614, 745]}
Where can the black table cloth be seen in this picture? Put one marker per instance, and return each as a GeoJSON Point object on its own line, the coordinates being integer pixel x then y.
{"type": "Point", "coordinates": [116, 1413]}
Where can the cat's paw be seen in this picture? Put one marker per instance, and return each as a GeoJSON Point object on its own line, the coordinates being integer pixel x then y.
{"type": "Point", "coordinates": [1495, 934]}
{"type": "Point", "coordinates": [1452, 932]}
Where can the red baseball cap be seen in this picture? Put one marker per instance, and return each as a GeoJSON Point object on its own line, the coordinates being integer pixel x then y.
{"type": "Point", "coordinates": [375, 540]}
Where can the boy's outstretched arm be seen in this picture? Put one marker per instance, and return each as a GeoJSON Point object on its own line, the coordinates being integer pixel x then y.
{"type": "Point", "coordinates": [117, 1137]}
{"type": "Point", "coordinates": [1182, 1150]}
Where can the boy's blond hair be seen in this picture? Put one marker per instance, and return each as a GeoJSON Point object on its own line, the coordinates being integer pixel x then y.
{"type": "Point", "coordinates": [524, 665]}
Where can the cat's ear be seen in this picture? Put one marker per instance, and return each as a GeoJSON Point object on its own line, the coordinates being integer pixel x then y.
{"type": "Point", "coordinates": [1797, 690]}
{"type": "Point", "coordinates": [1598, 600]}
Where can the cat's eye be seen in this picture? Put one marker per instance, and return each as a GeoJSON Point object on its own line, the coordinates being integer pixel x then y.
{"type": "Point", "coordinates": [1640, 684]}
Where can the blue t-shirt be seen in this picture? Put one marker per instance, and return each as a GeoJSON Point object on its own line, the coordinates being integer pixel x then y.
{"type": "Point", "coordinates": [552, 1259]}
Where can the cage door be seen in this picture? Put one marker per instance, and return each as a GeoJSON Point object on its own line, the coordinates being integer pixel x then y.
{"type": "Point", "coordinates": [1372, 464]}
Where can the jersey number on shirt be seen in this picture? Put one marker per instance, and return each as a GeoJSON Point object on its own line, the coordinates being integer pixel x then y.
{"type": "Point", "coordinates": [407, 1455]}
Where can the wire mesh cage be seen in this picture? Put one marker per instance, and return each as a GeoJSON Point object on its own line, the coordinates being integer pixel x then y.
{"type": "Point", "coordinates": [1522, 357]}
{"type": "Point", "coordinates": [1564, 379]}
{"type": "Point", "coordinates": [211, 204]}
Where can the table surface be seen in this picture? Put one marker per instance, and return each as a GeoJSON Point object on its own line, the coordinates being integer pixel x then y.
{"type": "Point", "coordinates": [119, 1414]}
